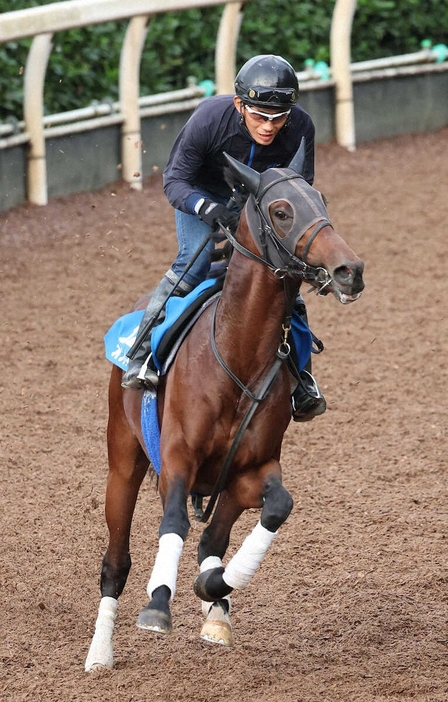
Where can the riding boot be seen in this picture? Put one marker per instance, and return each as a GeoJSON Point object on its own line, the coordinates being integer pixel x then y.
{"type": "Point", "coordinates": [140, 374]}
{"type": "Point", "coordinates": [307, 399]}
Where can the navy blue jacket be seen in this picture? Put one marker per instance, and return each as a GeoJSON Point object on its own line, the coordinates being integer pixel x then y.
{"type": "Point", "coordinates": [197, 161]}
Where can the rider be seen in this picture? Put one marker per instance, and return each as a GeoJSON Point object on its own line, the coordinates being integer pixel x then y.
{"type": "Point", "coordinates": [262, 126]}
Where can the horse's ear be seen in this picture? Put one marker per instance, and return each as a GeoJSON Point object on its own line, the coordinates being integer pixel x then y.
{"type": "Point", "coordinates": [298, 160]}
{"type": "Point", "coordinates": [245, 174]}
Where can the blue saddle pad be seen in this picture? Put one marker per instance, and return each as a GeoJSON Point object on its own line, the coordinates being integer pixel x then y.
{"type": "Point", "coordinates": [303, 340]}
{"type": "Point", "coordinates": [122, 334]}
{"type": "Point", "coordinates": [150, 428]}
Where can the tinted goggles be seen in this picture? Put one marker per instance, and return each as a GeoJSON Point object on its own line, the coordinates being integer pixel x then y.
{"type": "Point", "coordinates": [282, 96]}
{"type": "Point", "coordinates": [258, 116]}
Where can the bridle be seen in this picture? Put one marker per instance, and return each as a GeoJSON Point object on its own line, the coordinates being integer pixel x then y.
{"type": "Point", "coordinates": [291, 265]}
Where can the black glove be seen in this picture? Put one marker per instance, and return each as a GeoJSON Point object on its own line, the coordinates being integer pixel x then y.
{"type": "Point", "coordinates": [213, 212]}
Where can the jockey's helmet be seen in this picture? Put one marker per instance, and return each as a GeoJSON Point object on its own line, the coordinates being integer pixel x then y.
{"type": "Point", "coordinates": [267, 81]}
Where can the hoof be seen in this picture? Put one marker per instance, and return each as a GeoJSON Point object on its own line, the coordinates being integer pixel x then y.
{"type": "Point", "coordinates": [217, 632]}
{"type": "Point", "coordinates": [155, 620]}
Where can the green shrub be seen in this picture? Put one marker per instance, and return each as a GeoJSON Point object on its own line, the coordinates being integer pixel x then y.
{"type": "Point", "coordinates": [83, 65]}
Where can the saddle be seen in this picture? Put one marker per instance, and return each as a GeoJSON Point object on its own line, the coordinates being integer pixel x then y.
{"type": "Point", "coordinates": [167, 337]}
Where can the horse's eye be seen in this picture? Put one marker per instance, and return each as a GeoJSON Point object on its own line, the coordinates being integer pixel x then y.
{"type": "Point", "coordinates": [279, 214]}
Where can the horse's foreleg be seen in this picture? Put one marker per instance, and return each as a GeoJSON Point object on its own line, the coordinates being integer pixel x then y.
{"type": "Point", "coordinates": [156, 616]}
{"type": "Point", "coordinates": [277, 505]}
{"type": "Point", "coordinates": [215, 582]}
{"type": "Point", "coordinates": [212, 547]}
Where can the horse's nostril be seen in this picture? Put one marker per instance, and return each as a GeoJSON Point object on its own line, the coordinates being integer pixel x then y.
{"type": "Point", "coordinates": [343, 274]}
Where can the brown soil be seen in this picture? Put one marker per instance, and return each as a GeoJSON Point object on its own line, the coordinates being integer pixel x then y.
{"type": "Point", "coordinates": [351, 602]}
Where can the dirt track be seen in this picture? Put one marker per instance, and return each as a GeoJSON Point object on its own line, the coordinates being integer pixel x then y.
{"type": "Point", "coordinates": [351, 602]}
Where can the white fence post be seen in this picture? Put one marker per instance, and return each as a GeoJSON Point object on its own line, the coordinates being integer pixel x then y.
{"type": "Point", "coordinates": [129, 88]}
{"type": "Point", "coordinates": [340, 52]}
{"type": "Point", "coordinates": [33, 112]}
{"type": "Point", "coordinates": [225, 52]}
{"type": "Point", "coordinates": [41, 22]}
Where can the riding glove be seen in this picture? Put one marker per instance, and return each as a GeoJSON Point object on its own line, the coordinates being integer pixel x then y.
{"type": "Point", "coordinates": [213, 212]}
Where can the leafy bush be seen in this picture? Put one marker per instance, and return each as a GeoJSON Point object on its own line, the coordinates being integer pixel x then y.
{"type": "Point", "coordinates": [83, 66]}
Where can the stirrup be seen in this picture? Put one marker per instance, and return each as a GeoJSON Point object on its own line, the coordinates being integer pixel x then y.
{"type": "Point", "coordinates": [130, 379]}
{"type": "Point", "coordinates": [148, 376]}
{"type": "Point", "coordinates": [307, 400]}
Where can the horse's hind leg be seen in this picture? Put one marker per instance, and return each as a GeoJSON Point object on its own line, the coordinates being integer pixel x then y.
{"type": "Point", "coordinates": [127, 468]}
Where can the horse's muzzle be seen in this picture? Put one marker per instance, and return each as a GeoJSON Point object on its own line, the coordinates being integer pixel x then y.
{"type": "Point", "coordinates": [347, 282]}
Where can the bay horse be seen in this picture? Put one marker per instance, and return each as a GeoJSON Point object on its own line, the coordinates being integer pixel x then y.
{"type": "Point", "coordinates": [225, 402]}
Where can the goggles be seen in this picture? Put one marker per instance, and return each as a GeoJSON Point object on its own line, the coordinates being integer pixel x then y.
{"type": "Point", "coordinates": [282, 96]}
{"type": "Point", "coordinates": [258, 116]}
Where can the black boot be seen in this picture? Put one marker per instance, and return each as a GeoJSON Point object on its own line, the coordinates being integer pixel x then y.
{"type": "Point", "coordinates": [137, 377]}
{"type": "Point", "coordinates": [131, 378]}
{"type": "Point", "coordinates": [307, 400]}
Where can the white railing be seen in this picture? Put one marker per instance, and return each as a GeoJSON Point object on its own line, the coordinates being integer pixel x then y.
{"type": "Point", "coordinates": [41, 23]}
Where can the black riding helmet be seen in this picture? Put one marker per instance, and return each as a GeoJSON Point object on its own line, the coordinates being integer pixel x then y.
{"type": "Point", "coordinates": [267, 81]}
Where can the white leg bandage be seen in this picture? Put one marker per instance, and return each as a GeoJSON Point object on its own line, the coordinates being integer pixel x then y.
{"type": "Point", "coordinates": [166, 565]}
{"type": "Point", "coordinates": [244, 564]}
{"type": "Point", "coordinates": [210, 562]}
{"type": "Point", "coordinates": [101, 650]}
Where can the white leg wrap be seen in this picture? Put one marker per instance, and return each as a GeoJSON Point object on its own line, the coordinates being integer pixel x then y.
{"type": "Point", "coordinates": [244, 564]}
{"type": "Point", "coordinates": [166, 565]}
{"type": "Point", "coordinates": [101, 654]}
{"type": "Point", "coordinates": [210, 562]}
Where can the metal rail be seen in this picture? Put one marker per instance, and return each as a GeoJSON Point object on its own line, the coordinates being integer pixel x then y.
{"type": "Point", "coordinates": [41, 23]}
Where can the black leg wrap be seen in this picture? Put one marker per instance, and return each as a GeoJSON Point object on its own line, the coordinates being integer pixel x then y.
{"type": "Point", "coordinates": [277, 506]}
{"type": "Point", "coordinates": [210, 586]}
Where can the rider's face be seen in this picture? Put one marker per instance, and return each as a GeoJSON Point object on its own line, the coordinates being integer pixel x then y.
{"type": "Point", "coordinates": [263, 131]}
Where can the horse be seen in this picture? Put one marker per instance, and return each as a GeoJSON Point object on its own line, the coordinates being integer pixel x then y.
{"type": "Point", "coordinates": [223, 408]}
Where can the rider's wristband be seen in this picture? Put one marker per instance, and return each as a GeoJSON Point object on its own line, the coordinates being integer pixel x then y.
{"type": "Point", "coordinates": [199, 204]}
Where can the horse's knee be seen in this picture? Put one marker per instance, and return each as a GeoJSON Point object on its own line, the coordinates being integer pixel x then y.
{"type": "Point", "coordinates": [277, 506]}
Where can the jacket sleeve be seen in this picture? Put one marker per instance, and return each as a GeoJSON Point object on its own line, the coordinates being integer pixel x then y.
{"type": "Point", "coordinates": [184, 163]}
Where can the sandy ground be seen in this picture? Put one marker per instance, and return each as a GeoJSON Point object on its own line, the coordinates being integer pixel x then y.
{"type": "Point", "coordinates": [351, 602]}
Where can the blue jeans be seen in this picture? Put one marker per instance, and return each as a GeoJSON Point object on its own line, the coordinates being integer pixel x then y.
{"type": "Point", "coordinates": [191, 232]}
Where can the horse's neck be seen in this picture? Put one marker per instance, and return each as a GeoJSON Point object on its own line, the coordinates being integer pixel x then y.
{"type": "Point", "coordinates": [251, 311]}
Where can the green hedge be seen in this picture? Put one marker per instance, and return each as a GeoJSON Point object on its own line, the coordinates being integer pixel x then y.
{"type": "Point", "coordinates": [83, 66]}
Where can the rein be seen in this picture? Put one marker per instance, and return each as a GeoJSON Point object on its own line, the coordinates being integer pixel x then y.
{"type": "Point", "coordinates": [261, 395]}
{"type": "Point", "coordinates": [294, 267]}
